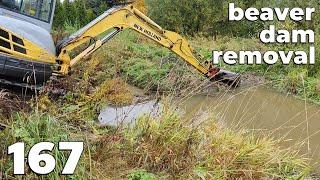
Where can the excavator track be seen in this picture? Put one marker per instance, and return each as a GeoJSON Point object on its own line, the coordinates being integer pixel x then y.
{"type": "Point", "coordinates": [23, 73]}
{"type": "Point", "coordinates": [23, 85]}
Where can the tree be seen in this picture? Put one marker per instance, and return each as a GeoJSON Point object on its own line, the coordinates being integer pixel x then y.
{"type": "Point", "coordinates": [59, 17]}
{"type": "Point", "coordinates": [200, 16]}
{"type": "Point", "coordinates": [81, 13]}
{"type": "Point", "coordinates": [70, 12]}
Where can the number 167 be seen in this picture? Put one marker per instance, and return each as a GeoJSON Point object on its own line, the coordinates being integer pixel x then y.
{"type": "Point", "coordinates": [40, 161]}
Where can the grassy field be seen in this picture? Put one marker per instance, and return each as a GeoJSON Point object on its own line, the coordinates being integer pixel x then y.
{"type": "Point", "coordinates": [169, 146]}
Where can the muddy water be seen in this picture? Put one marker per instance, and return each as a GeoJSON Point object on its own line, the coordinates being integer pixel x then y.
{"type": "Point", "coordinates": [267, 112]}
{"type": "Point", "coordinates": [118, 116]}
{"type": "Point", "coordinates": [261, 110]}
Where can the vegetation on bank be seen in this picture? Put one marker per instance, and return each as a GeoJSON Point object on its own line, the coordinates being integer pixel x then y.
{"type": "Point", "coordinates": [169, 146]}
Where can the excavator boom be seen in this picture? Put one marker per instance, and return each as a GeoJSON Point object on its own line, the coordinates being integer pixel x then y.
{"type": "Point", "coordinates": [120, 18]}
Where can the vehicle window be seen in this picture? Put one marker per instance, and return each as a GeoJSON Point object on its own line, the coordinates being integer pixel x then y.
{"type": "Point", "coordinates": [11, 4]}
{"type": "Point", "coordinates": [4, 34]}
{"type": "Point", "coordinates": [45, 10]}
{"type": "Point", "coordinates": [38, 9]}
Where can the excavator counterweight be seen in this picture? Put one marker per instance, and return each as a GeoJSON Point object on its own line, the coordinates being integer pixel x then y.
{"type": "Point", "coordinates": [28, 54]}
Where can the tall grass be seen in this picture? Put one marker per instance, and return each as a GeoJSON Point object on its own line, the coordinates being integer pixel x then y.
{"type": "Point", "coordinates": [32, 129]}
{"type": "Point", "coordinates": [175, 147]}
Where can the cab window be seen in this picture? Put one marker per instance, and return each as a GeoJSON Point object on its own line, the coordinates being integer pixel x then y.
{"type": "Point", "coordinates": [11, 4]}
{"type": "Point", "coordinates": [38, 9]}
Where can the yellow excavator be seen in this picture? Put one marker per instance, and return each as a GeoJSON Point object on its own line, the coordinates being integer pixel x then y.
{"type": "Point", "coordinates": [29, 56]}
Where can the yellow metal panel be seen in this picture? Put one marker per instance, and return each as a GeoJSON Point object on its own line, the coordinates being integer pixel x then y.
{"type": "Point", "coordinates": [33, 52]}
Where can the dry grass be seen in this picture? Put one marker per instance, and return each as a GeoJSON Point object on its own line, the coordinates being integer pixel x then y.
{"type": "Point", "coordinates": [114, 91]}
{"type": "Point", "coordinates": [9, 103]}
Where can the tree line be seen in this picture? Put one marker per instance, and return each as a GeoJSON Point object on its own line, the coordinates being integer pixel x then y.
{"type": "Point", "coordinates": [207, 17]}
{"type": "Point", "coordinates": [77, 12]}
{"type": "Point", "coordinates": [210, 17]}
{"type": "Point", "coordinates": [81, 12]}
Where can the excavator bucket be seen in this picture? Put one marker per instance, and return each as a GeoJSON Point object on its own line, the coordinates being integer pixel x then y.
{"type": "Point", "coordinates": [228, 78]}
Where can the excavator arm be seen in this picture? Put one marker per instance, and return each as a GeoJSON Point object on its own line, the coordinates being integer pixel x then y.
{"type": "Point", "coordinates": [120, 18]}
